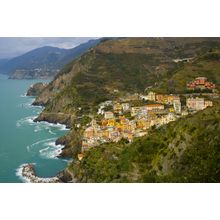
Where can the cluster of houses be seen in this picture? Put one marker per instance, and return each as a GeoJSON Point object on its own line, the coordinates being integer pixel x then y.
{"type": "Point", "coordinates": [124, 121]}
{"type": "Point", "coordinates": [114, 126]}
{"type": "Point", "coordinates": [201, 83]}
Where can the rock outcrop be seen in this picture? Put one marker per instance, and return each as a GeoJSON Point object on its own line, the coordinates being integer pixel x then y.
{"type": "Point", "coordinates": [29, 174]}
{"type": "Point", "coordinates": [36, 89]}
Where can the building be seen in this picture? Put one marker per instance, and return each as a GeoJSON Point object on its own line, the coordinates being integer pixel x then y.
{"type": "Point", "coordinates": [177, 106]}
{"type": "Point", "coordinates": [171, 98]}
{"type": "Point", "coordinates": [135, 111]}
{"type": "Point", "coordinates": [108, 115]}
{"type": "Point", "coordinates": [125, 106]}
{"type": "Point", "coordinates": [80, 156]}
{"type": "Point", "coordinates": [154, 107]}
{"type": "Point", "coordinates": [161, 98]}
{"type": "Point", "coordinates": [200, 83]}
{"type": "Point", "coordinates": [89, 132]}
{"type": "Point", "coordinates": [166, 99]}
{"type": "Point", "coordinates": [195, 104]}
{"type": "Point", "coordinates": [143, 111]}
{"type": "Point", "coordinates": [151, 96]}
{"type": "Point", "coordinates": [208, 103]}
{"type": "Point", "coordinates": [117, 108]}
{"type": "Point", "coordinates": [85, 146]}
{"type": "Point", "coordinates": [111, 122]}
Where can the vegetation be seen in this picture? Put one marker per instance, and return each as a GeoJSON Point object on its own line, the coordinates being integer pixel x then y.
{"type": "Point", "coordinates": [187, 150]}
{"type": "Point", "coordinates": [129, 65]}
{"type": "Point", "coordinates": [206, 65]}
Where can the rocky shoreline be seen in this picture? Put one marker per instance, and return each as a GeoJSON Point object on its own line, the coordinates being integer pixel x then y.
{"type": "Point", "coordinates": [29, 174]}
{"type": "Point", "coordinates": [36, 89]}
{"type": "Point", "coordinates": [64, 176]}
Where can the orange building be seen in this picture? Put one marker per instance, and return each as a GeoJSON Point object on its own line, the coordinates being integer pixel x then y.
{"type": "Point", "coordinates": [154, 107]}
{"type": "Point", "coordinates": [89, 132]}
{"type": "Point", "coordinates": [201, 83]}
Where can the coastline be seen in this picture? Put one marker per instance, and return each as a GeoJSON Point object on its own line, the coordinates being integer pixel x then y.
{"type": "Point", "coordinates": [28, 174]}
{"type": "Point", "coordinates": [27, 171]}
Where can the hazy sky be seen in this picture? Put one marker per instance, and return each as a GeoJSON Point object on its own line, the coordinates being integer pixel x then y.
{"type": "Point", "coordinates": [14, 46]}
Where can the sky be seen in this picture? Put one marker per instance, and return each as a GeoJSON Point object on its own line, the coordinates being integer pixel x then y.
{"type": "Point", "coordinates": [15, 46]}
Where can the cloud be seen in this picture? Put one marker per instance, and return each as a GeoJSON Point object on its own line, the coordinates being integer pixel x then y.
{"type": "Point", "coordinates": [14, 46]}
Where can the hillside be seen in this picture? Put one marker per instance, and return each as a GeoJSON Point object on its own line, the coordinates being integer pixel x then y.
{"type": "Point", "coordinates": [124, 65]}
{"type": "Point", "coordinates": [183, 151]}
{"type": "Point", "coordinates": [207, 65]}
{"type": "Point", "coordinates": [43, 62]}
{"type": "Point", "coordinates": [116, 69]}
{"type": "Point", "coordinates": [3, 61]}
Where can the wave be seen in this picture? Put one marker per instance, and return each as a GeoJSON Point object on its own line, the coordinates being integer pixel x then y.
{"type": "Point", "coordinates": [46, 148]}
{"type": "Point", "coordinates": [24, 95]}
{"type": "Point", "coordinates": [43, 142]}
{"type": "Point", "coordinates": [51, 151]}
{"type": "Point", "coordinates": [26, 121]}
{"type": "Point", "coordinates": [19, 173]}
{"type": "Point", "coordinates": [59, 126]}
{"type": "Point", "coordinates": [39, 126]}
{"type": "Point", "coordinates": [26, 174]}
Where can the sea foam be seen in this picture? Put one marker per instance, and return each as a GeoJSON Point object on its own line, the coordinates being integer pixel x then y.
{"type": "Point", "coordinates": [51, 150]}
{"type": "Point", "coordinates": [19, 173]}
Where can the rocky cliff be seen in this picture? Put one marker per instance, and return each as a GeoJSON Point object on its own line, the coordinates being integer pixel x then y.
{"type": "Point", "coordinates": [36, 89]}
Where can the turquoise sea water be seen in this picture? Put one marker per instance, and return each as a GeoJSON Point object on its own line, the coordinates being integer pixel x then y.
{"type": "Point", "coordinates": [21, 140]}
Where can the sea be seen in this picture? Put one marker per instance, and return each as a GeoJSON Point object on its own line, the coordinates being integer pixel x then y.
{"type": "Point", "coordinates": [22, 140]}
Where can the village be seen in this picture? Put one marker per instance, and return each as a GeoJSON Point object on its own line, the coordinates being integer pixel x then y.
{"type": "Point", "coordinates": [123, 120]}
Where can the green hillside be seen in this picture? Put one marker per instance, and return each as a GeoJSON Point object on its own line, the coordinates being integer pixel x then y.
{"type": "Point", "coordinates": [187, 150]}
{"type": "Point", "coordinates": [127, 65]}
{"type": "Point", "coordinates": [207, 65]}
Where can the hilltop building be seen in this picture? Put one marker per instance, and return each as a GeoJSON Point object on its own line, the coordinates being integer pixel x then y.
{"type": "Point", "coordinates": [201, 83]}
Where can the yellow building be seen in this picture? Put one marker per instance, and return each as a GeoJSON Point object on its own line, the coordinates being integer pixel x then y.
{"type": "Point", "coordinates": [117, 108]}
{"type": "Point", "coordinates": [111, 122]}
{"type": "Point", "coordinates": [208, 103]}
{"type": "Point", "coordinates": [135, 111]}
{"type": "Point", "coordinates": [104, 122]}
{"type": "Point", "coordinates": [105, 134]}
{"type": "Point", "coordinates": [80, 156]}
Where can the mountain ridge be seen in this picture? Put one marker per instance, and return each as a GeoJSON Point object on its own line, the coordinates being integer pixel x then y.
{"type": "Point", "coordinates": [43, 62]}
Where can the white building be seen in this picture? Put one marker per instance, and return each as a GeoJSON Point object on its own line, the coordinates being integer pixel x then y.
{"type": "Point", "coordinates": [195, 103]}
{"type": "Point", "coordinates": [151, 96]}
{"type": "Point", "coordinates": [108, 115]}
{"type": "Point", "coordinates": [125, 106]}
{"type": "Point", "coordinates": [177, 106]}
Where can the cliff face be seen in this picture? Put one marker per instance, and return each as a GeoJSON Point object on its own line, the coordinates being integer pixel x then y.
{"type": "Point", "coordinates": [36, 89]}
